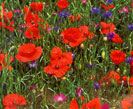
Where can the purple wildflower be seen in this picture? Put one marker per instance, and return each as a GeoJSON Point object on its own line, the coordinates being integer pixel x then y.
{"type": "Point", "coordinates": [8, 40]}
{"type": "Point", "coordinates": [108, 1]}
{"type": "Point", "coordinates": [96, 85]}
{"type": "Point", "coordinates": [128, 60]}
{"type": "Point", "coordinates": [60, 98]}
{"type": "Point", "coordinates": [91, 65]}
{"type": "Point", "coordinates": [56, 28]}
{"type": "Point", "coordinates": [79, 91]}
{"type": "Point", "coordinates": [84, 1]}
{"type": "Point", "coordinates": [107, 14]}
{"type": "Point", "coordinates": [130, 27]}
{"type": "Point", "coordinates": [95, 10]}
{"type": "Point", "coordinates": [64, 14]}
{"type": "Point", "coordinates": [73, 55]}
{"type": "Point", "coordinates": [105, 106]}
{"type": "Point", "coordinates": [4, 86]}
{"type": "Point", "coordinates": [33, 64]}
{"type": "Point", "coordinates": [32, 87]}
{"type": "Point", "coordinates": [110, 36]}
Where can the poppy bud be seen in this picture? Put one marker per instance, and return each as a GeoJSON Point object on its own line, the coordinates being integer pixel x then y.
{"type": "Point", "coordinates": [118, 70]}
{"type": "Point", "coordinates": [105, 39]}
{"type": "Point", "coordinates": [82, 46]}
{"type": "Point", "coordinates": [41, 90]}
{"type": "Point", "coordinates": [103, 54]}
{"type": "Point", "coordinates": [63, 78]}
{"type": "Point", "coordinates": [79, 66]}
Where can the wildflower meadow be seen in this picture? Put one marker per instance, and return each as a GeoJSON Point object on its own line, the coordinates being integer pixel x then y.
{"type": "Point", "coordinates": [66, 54]}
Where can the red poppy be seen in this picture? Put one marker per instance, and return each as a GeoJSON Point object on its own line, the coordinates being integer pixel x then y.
{"type": "Point", "coordinates": [93, 104]}
{"type": "Point", "coordinates": [7, 16]}
{"type": "Point", "coordinates": [59, 62]}
{"type": "Point", "coordinates": [11, 101]}
{"type": "Point", "coordinates": [62, 4]}
{"type": "Point", "coordinates": [107, 28]}
{"type": "Point", "coordinates": [127, 103]}
{"type": "Point", "coordinates": [86, 33]}
{"type": "Point", "coordinates": [63, 59]}
{"type": "Point", "coordinates": [131, 53]}
{"type": "Point", "coordinates": [57, 71]}
{"type": "Point", "coordinates": [60, 58]}
{"type": "Point", "coordinates": [72, 36]}
{"type": "Point", "coordinates": [3, 61]}
{"type": "Point", "coordinates": [33, 33]}
{"type": "Point", "coordinates": [104, 80]}
{"type": "Point", "coordinates": [131, 68]}
{"type": "Point", "coordinates": [32, 19]}
{"type": "Point", "coordinates": [115, 76]}
{"type": "Point", "coordinates": [73, 18]}
{"type": "Point", "coordinates": [117, 56]}
{"type": "Point", "coordinates": [28, 52]}
{"type": "Point", "coordinates": [117, 39]}
{"type": "Point", "coordinates": [74, 104]}
{"type": "Point", "coordinates": [107, 7]}
{"type": "Point", "coordinates": [37, 6]}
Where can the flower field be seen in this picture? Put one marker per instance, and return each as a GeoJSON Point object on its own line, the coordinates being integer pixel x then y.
{"type": "Point", "coordinates": [66, 54]}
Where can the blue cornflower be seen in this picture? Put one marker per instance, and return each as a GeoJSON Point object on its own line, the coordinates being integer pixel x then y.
{"type": "Point", "coordinates": [107, 14]}
{"type": "Point", "coordinates": [4, 86]}
{"type": "Point", "coordinates": [33, 64]}
{"type": "Point", "coordinates": [73, 55]}
{"type": "Point", "coordinates": [110, 36]}
{"type": "Point", "coordinates": [91, 65]}
{"type": "Point", "coordinates": [95, 10]}
{"type": "Point", "coordinates": [8, 40]}
{"type": "Point", "coordinates": [108, 1]}
{"type": "Point", "coordinates": [96, 85]}
{"type": "Point", "coordinates": [56, 28]}
{"type": "Point", "coordinates": [128, 60]}
{"type": "Point", "coordinates": [130, 27]}
{"type": "Point", "coordinates": [64, 14]}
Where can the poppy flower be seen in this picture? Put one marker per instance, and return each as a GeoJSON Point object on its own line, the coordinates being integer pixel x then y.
{"type": "Point", "coordinates": [107, 28]}
{"type": "Point", "coordinates": [131, 68]}
{"type": "Point", "coordinates": [115, 76]}
{"type": "Point", "coordinates": [7, 16]}
{"type": "Point", "coordinates": [94, 104]}
{"type": "Point", "coordinates": [107, 7]}
{"type": "Point", "coordinates": [57, 71]}
{"type": "Point", "coordinates": [131, 53]}
{"type": "Point", "coordinates": [28, 52]}
{"type": "Point", "coordinates": [104, 80]}
{"type": "Point", "coordinates": [73, 36]}
{"type": "Point", "coordinates": [63, 59]}
{"type": "Point", "coordinates": [73, 18]}
{"type": "Point", "coordinates": [3, 61]}
{"type": "Point", "coordinates": [117, 56]}
{"type": "Point", "coordinates": [62, 4]}
{"type": "Point", "coordinates": [127, 102]}
{"type": "Point", "coordinates": [36, 6]}
{"type": "Point", "coordinates": [86, 33]}
{"type": "Point", "coordinates": [33, 33]}
{"type": "Point", "coordinates": [11, 101]}
{"type": "Point", "coordinates": [117, 39]}
{"type": "Point", "coordinates": [60, 58]}
{"type": "Point", "coordinates": [74, 104]}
